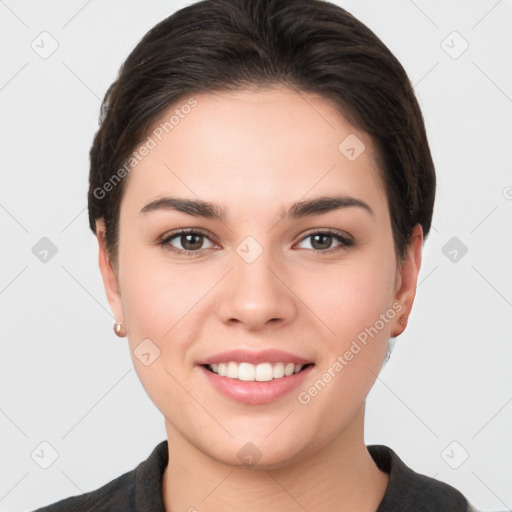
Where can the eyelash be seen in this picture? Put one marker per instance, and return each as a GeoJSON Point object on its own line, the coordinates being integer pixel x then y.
{"type": "Point", "coordinates": [344, 242]}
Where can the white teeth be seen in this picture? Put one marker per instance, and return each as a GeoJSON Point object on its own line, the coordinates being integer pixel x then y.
{"type": "Point", "coordinates": [278, 370]}
{"type": "Point", "coordinates": [264, 372]}
{"type": "Point", "coordinates": [288, 369]}
{"type": "Point", "coordinates": [232, 370]}
{"type": "Point", "coordinates": [260, 373]}
{"type": "Point", "coordinates": [246, 371]}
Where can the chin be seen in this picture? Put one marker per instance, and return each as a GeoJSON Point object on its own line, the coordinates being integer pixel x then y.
{"type": "Point", "coordinates": [259, 453]}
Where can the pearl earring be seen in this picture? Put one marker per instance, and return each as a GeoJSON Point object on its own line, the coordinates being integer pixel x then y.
{"type": "Point", "coordinates": [120, 330]}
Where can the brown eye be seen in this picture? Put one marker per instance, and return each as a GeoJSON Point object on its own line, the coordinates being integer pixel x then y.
{"type": "Point", "coordinates": [191, 241]}
{"type": "Point", "coordinates": [186, 242]}
{"type": "Point", "coordinates": [322, 241]}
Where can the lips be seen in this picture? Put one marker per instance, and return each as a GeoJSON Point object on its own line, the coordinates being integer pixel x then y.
{"type": "Point", "coordinates": [262, 356]}
{"type": "Point", "coordinates": [255, 377]}
{"type": "Point", "coordinates": [255, 393]}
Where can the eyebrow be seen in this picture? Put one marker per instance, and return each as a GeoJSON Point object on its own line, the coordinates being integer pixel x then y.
{"type": "Point", "coordinates": [309, 208]}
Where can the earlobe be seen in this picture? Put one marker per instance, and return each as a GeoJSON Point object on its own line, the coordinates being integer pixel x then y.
{"type": "Point", "coordinates": [407, 279]}
{"type": "Point", "coordinates": [108, 273]}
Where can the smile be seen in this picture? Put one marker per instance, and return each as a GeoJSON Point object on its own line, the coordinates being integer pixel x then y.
{"type": "Point", "coordinates": [252, 391]}
{"type": "Point", "coordinates": [248, 372]}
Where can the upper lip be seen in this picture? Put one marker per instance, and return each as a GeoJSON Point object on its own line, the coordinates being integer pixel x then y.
{"type": "Point", "coordinates": [247, 356]}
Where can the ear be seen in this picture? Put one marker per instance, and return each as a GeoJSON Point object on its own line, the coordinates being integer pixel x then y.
{"type": "Point", "coordinates": [406, 281]}
{"type": "Point", "coordinates": [108, 273]}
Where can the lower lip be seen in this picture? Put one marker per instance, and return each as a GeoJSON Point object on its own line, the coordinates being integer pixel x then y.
{"type": "Point", "coordinates": [254, 392]}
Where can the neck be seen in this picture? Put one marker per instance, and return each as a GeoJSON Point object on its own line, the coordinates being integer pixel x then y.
{"type": "Point", "coordinates": [340, 476]}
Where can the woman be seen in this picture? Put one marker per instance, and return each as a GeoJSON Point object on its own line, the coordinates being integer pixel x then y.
{"type": "Point", "coordinates": [260, 187]}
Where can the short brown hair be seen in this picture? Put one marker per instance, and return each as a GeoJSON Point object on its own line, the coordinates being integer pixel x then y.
{"type": "Point", "coordinates": [308, 45]}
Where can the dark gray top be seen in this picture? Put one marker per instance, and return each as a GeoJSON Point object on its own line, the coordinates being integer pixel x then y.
{"type": "Point", "coordinates": [140, 490]}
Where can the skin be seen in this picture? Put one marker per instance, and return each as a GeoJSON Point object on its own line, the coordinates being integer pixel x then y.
{"type": "Point", "coordinates": [255, 153]}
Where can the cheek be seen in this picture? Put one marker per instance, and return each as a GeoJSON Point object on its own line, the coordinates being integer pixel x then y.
{"type": "Point", "coordinates": [358, 307]}
{"type": "Point", "coordinates": [351, 297]}
{"type": "Point", "coordinates": [355, 303]}
{"type": "Point", "coordinates": [161, 301]}
{"type": "Point", "coordinates": [155, 298]}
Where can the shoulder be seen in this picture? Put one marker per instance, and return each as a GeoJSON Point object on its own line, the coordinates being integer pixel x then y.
{"type": "Point", "coordinates": [411, 491]}
{"type": "Point", "coordinates": [116, 493]}
{"type": "Point", "coordinates": [140, 485]}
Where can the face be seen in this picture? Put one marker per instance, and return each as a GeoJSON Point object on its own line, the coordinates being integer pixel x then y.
{"type": "Point", "coordinates": [291, 262]}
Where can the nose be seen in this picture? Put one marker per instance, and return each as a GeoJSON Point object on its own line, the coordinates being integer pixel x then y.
{"type": "Point", "coordinates": [257, 294]}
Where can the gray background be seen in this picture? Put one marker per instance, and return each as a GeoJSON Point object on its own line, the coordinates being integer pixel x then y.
{"type": "Point", "coordinates": [66, 380]}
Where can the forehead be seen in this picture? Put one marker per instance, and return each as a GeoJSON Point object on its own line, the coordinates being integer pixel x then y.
{"type": "Point", "coordinates": [268, 144]}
